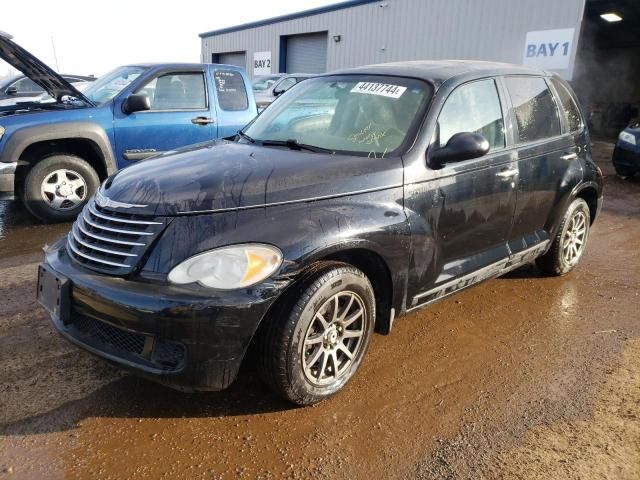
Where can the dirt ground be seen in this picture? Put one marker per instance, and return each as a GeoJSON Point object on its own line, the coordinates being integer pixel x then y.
{"type": "Point", "coordinates": [521, 377]}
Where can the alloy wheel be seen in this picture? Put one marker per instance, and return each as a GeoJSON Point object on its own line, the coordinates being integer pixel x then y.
{"type": "Point", "coordinates": [574, 239]}
{"type": "Point", "coordinates": [334, 338]}
{"type": "Point", "coordinates": [63, 189]}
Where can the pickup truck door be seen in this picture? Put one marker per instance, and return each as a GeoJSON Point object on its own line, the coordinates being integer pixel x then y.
{"type": "Point", "coordinates": [235, 107]}
{"type": "Point", "coordinates": [182, 113]}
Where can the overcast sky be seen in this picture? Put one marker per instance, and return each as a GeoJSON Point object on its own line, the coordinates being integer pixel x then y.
{"type": "Point", "coordinates": [92, 37]}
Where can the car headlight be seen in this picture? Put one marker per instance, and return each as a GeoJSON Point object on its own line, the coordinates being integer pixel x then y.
{"type": "Point", "coordinates": [228, 268]}
{"type": "Point", "coordinates": [1, 132]}
{"type": "Point", "coordinates": [627, 137]}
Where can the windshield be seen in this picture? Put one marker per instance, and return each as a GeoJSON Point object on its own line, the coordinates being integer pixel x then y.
{"type": "Point", "coordinates": [365, 115]}
{"type": "Point", "coordinates": [110, 85]}
{"type": "Point", "coordinates": [261, 84]}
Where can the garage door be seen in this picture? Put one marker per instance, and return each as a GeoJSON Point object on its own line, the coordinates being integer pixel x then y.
{"type": "Point", "coordinates": [307, 53]}
{"type": "Point", "coordinates": [233, 58]}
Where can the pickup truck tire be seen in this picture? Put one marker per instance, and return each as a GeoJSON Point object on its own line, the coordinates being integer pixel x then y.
{"type": "Point", "coordinates": [58, 186]}
{"type": "Point", "coordinates": [315, 345]}
{"type": "Point", "coordinates": [570, 241]}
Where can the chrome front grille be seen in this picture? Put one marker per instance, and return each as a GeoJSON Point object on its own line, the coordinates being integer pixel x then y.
{"type": "Point", "coordinates": [109, 241]}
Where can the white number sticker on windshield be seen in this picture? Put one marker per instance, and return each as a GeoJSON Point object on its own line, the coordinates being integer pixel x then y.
{"type": "Point", "coordinates": [383, 89]}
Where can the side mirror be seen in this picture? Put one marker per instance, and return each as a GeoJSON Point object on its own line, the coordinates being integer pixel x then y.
{"type": "Point", "coordinates": [461, 146]}
{"type": "Point", "coordinates": [277, 92]}
{"type": "Point", "coordinates": [137, 102]}
{"type": "Point", "coordinates": [11, 91]}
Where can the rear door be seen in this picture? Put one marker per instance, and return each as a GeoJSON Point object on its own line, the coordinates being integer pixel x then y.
{"type": "Point", "coordinates": [546, 152]}
{"type": "Point", "coordinates": [467, 207]}
{"type": "Point", "coordinates": [232, 102]}
{"type": "Point", "coordinates": [180, 115]}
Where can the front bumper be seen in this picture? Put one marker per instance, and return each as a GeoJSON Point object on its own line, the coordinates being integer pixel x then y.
{"type": "Point", "coordinates": [186, 339]}
{"type": "Point", "coordinates": [7, 176]}
{"type": "Point", "coordinates": [626, 155]}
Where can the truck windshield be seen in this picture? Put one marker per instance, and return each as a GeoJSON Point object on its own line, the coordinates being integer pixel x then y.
{"type": "Point", "coordinates": [111, 84]}
{"type": "Point", "coordinates": [356, 114]}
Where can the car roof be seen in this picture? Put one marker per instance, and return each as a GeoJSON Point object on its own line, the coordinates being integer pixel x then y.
{"type": "Point", "coordinates": [181, 65]}
{"type": "Point", "coordinates": [439, 71]}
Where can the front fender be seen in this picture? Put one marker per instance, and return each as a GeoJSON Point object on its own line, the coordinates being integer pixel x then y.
{"type": "Point", "coordinates": [22, 138]}
{"type": "Point", "coordinates": [305, 232]}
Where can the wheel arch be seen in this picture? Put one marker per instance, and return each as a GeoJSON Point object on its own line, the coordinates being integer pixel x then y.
{"type": "Point", "coordinates": [590, 195]}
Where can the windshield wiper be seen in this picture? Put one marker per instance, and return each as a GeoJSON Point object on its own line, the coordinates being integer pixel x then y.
{"type": "Point", "coordinates": [293, 144]}
{"type": "Point", "coordinates": [246, 137]}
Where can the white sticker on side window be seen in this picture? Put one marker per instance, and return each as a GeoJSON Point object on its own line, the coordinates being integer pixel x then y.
{"type": "Point", "coordinates": [382, 89]}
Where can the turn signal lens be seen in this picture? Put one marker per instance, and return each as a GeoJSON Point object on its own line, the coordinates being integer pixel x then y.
{"type": "Point", "coordinates": [229, 268]}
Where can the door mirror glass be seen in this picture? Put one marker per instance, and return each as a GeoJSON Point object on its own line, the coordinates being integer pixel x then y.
{"type": "Point", "coordinates": [461, 146]}
{"type": "Point", "coordinates": [11, 90]}
{"type": "Point", "coordinates": [137, 102]}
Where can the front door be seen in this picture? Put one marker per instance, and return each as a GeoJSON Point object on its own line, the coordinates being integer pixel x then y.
{"type": "Point", "coordinates": [180, 115]}
{"type": "Point", "coordinates": [463, 214]}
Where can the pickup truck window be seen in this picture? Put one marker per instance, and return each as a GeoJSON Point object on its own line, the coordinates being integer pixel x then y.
{"type": "Point", "coordinates": [177, 91]}
{"type": "Point", "coordinates": [110, 85]}
{"type": "Point", "coordinates": [232, 94]}
{"type": "Point", "coordinates": [367, 115]}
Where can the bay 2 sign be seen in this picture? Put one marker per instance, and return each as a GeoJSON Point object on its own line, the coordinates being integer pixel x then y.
{"type": "Point", "coordinates": [549, 49]}
{"type": "Point", "coordinates": [261, 63]}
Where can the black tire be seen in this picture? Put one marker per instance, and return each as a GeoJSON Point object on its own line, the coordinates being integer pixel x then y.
{"type": "Point", "coordinates": [555, 261]}
{"type": "Point", "coordinates": [624, 171]}
{"type": "Point", "coordinates": [42, 204]}
{"type": "Point", "coordinates": [282, 341]}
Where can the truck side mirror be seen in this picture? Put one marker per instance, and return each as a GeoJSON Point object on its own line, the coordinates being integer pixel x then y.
{"type": "Point", "coordinates": [136, 102]}
{"type": "Point", "coordinates": [461, 146]}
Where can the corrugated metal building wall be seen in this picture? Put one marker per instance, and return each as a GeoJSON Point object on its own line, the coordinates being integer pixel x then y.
{"type": "Point", "coordinates": [392, 30]}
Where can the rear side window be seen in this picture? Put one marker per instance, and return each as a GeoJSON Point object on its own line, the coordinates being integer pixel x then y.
{"type": "Point", "coordinates": [569, 107]}
{"type": "Point", "coordinates": [534, 108]}
{"type": "Point", "coordinates": [232, 95]}
{"type": "Point", "coordinates": [473, 107]}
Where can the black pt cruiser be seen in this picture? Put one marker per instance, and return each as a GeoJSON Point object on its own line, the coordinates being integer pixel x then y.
{"type": "Point", "coordinates": [356, 197]}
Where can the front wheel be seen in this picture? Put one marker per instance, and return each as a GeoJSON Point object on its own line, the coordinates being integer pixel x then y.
{"type": "Point", "coordinates": [57, 187]}
{"type": "Point", "coordinates": [313, 350]}
{"type": "Point", "coordinates": [570, 241]}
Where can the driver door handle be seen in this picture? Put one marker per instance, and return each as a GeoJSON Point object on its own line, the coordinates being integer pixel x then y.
{"type": "Point", "coordinates": [202, 121]}
{"type": "Point", "coordinates": [507, 174]}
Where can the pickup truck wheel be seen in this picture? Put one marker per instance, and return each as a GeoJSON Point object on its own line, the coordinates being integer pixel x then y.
{"type": "Point", "coordinates": [315, 350]}
{"type": "Point", "coordinates": [570, 241]}
{"type": "Point", "coordinates": [57, 187]}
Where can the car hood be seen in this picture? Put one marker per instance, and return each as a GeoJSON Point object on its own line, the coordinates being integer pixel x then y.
{"type": "Point", "coordinates": [226, 176]}
{"type": "Point", "coordinates": [39, 72]}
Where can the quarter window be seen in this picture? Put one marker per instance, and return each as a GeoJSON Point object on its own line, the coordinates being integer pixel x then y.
{"type": "Point", "coordinates": [534, 108]}
{"type": "Point", "coordinates": [232, 95]}
{"type": "Point", "coordinates": [176, 91]}
{"type": "Point", "coordinates": [569, 107]}
{"type": "Point", "coordinates": [473, 107]}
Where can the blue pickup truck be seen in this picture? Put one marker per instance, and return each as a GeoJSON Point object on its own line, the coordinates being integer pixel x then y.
{"type": "Point", "coordinates": [54, 155]}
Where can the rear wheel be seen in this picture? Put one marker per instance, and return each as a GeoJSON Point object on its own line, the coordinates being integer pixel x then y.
{"type": "Point", "coordinates": [310, 352]}
{"type": "Point", "coordinates": [570, 241]}
{"type": "Point", "coordinates": [57, 187]}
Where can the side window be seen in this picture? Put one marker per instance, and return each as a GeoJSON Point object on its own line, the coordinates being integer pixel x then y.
{"type": "Point", "coordinates": [571, 110]}
{"type": "Point", "coordinates": [534, 108]}
{"type": "Point", "coordinates": [176, 91]}
{"type": "Point", "coordinates": [26, 85]}
{"type": "Point", "coordinates": [473, 107]}
{"type": "Point", "coordinates": [232, 95]}
{"type": "Point", "coordinates": [286, 84]}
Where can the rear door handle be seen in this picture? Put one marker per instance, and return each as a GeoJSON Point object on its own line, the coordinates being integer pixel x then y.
{"type": "Point", "coordinates": [507, 174]}
{"type": "Point", "coordinates": [202, 120]}
{"type": "Point", "coordinates": [569, 156]}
